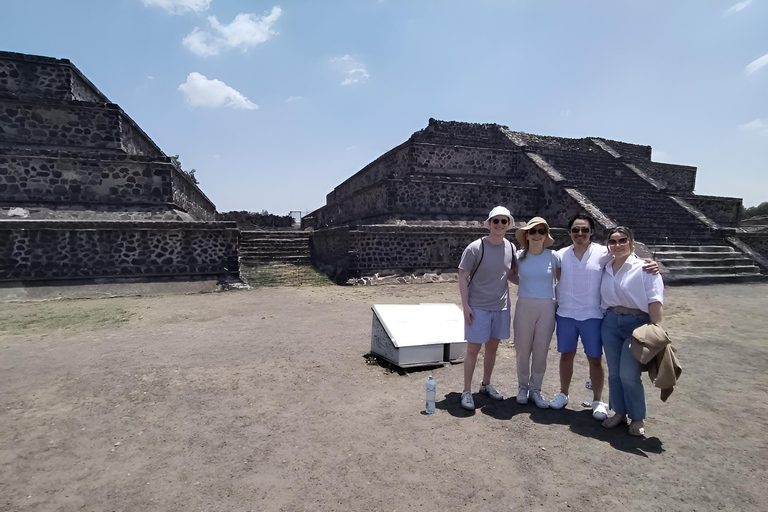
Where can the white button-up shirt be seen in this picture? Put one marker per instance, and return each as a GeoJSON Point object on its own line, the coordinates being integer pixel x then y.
{"type": "Point", "coordinates": [578, 290]}
{"type": "Point", "coordinates": [630, 287]}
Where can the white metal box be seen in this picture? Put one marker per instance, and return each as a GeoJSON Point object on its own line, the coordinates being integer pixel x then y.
{"type": "Point", "coordinates": [410, 335]}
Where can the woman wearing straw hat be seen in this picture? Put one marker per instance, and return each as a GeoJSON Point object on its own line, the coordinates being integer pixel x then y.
{"type": "Point", "coordinates": [534, 321]}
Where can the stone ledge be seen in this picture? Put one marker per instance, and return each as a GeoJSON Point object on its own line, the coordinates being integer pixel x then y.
{"type": "Point", "coordinates": [110, 224]}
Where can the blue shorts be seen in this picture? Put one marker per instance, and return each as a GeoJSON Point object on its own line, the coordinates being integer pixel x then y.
{"type": "Point", "coordinates": [569, 330]}
{"type": "Point", "coordinates": [486, 325]}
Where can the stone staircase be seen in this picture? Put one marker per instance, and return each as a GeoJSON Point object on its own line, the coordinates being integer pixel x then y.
{"type": "Point", "coordinates": [263, 247]}
{"type": "Point", "coordinates": [625, 197]}
{"type": "Point", "coordinates": [703, 264]}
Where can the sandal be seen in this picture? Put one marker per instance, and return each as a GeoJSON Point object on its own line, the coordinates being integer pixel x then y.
{"type": "Point", "coordinates": [637, 428]}
{"type": "Point", "coordinates": [615, 421]}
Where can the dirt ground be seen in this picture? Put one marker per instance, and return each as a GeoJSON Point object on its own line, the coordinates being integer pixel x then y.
{"type": "Point", "coordinates": [263, 400]}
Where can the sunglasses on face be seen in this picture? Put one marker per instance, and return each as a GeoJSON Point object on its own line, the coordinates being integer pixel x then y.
{"type": "Point", "coordinates": [541, 231]}
{"type": "Point", "coordinates": [577, 230]}
{"type": "Point", "coordinates": [496, 221]}
{"type": "Point", "coordinates": [620, 241]}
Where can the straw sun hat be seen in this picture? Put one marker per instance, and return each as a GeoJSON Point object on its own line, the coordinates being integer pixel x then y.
{"type": "Point", "coordinates": [521, 233]}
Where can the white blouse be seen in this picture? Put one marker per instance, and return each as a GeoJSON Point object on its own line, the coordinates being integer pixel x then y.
{"type": "Point", "coordinates": [630, 287]}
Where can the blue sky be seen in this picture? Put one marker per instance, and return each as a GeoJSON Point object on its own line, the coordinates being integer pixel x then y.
{"type": "Point", "coordinates": [275, 103]}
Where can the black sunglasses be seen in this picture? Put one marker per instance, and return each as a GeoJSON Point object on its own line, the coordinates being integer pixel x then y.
{"type": "Point", "coordinates": [577, 230]}
{"type": "Point", "coordinates": [620, 241]}
{"type": "Point", "coordinates": [496, 221]}
{"type": "Point", "coordinates": [541, 231]}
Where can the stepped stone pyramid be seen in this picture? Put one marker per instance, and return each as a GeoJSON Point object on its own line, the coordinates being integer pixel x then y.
{"type": "Point", "coordinates": [415, 208]}
{"type": "Point", "coordinates": [86, 194]}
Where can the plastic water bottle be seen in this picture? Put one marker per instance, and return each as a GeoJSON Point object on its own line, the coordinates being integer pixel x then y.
{"type": "Point", "coordinates": [431, 394]}
{"type": "Point", "coordinates": [588, 395]}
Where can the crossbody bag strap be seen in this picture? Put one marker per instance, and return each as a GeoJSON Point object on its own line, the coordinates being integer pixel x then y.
{"type": "Point", "coordinates": [482, 253]}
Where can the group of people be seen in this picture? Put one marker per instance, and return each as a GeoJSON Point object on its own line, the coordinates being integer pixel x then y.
{"type": "Point", "coordinates": [599, 294]}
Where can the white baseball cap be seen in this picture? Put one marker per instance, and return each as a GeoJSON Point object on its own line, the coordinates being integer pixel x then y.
{"type": "Point", "coordinates": [499, 210]}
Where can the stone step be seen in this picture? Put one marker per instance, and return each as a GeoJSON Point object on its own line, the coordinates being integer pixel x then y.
{"type": "Point", "coordinates": [275, 257]}
{"type": "Point", "coordinates": [715, 270]}
{"type": "Point", "coordinates": [285, 235]}
{"type": "Point", "coordinates": [691, 248]}
{"type": "Point", "coordinates": [269, 254]}
{"type": "Point", "coordinates": [275, 242]}
{"type": "Point", "coordinates": [713, 279]}
{"type": "Point", "coordinates": [700, 262]}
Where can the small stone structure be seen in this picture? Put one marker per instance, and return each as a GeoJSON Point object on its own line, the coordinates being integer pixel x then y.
{"type": "Point", "coordinates": [414, 209]}
{"type": "Point", "coordinates": [85, 193]}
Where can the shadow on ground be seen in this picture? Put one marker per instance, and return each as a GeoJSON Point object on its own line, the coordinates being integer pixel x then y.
{"type": "Point", "coordinates": [580, 422]}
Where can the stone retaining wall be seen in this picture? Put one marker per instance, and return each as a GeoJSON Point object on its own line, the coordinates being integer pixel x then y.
{"type": "Point", "coordinates": [50, 123]}
{"type": "Point", "coordinates": [79, 180]}
{"type": "Point", "coordinates": [679, 179]}
{"type": "Point", "coordinates": [47, 77]}
{"type": "Point", "coordinates": [757, 241]}
{"type": "Point", "coordinates": [78, 249]}
{"type": "Point", "coordinates": [726, 211]}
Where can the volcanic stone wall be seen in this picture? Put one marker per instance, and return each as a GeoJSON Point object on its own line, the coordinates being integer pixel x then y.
{"type": "Point", "coordinates": [757, 241]}
{"type": "Point", "coordinates": [47, 77]}
{"type": "Point", "coordinates": [726, 211]}
{"type": "Point", "coordinates": [42, 178]}
{"type": "Point", "coordinates": [53, 250]}
{"type": "Point", "coordinates": [70, 124]}
{"type": "Point", "coordinates": [679, 179]}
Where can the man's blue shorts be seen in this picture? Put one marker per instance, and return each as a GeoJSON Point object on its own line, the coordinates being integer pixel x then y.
{"type": "Point", "coordinates": [486, 325]}
{"type": "Point", "coordinates": [569, 330]}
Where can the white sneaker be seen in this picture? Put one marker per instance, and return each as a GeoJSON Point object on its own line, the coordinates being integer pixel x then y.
{"type": "Point", "coordinates": [522, 396]}
{"type": "Point", "coordinates": [559, 401]}
{"type": "Point", "coordinates": [489, 390]}
{"type": "Point", "coordinates": [467, 402]}
{"type": "Point", "coordinates": [539, 400]}
{"type": "Point", "coordinates": [599, 410]}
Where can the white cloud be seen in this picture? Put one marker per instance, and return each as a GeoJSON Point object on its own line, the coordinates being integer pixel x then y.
{"type": "Point", "coordinates": [736, 8]}
{"type": "Point", "coordinates": [180, 6]}
{"type": "Point", "coordinates": [756, 64]}
{"type": "Point", "coordinates": [565, 113]}
{"type": "Point", "coordinates": [354, 70]}
{"type": "Point", "coordinates": [293, 99]}
{"type": "Point", "coordinates": [150, 77]}
{"type": "Point", "coordinates": [201, 92]}
{"type": "Point", "coordinates": [758, 125]}
{"type": "Point", "coordinates": [245, 31]}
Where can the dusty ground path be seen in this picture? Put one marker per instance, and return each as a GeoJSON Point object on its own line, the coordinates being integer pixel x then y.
{"type": "Point", "coordinates": [262, 400]}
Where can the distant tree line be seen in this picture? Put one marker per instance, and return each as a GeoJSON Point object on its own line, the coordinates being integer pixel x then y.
{"type": "Point", "coordinates": [264, 219]}
{"type": "Point", "coordinates": [754, 211]}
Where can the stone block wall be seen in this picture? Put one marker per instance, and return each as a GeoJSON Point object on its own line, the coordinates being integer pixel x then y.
{"type": "Point", "coordinates": [453, 133]}
{"type": "Point", "coordinates": [433, 198]}
{"type": "Point", "coordinates": [190, 198]}
{"type": "Point", "coordinates": [71, 124]}
{"type": "Point", "coordinates": [59, 124]}
{"type": "Point", "coordinates": [32, 250]}
{"type": "Point", "coordinates": [757, 241]}
{"type": "Point", "coordinates": [679, 179]}
{"type": "Point", "coordinates": [390, 249]}
{"type": "Point", "coordinates": [726, 211]}
{"type": "Point", "coordinates": [25, 178]}
{"type": "Point", "coordinates": [462, 160]}
{"type": "Point", "coordinates": [391, 163]}
{"type": "Point", "coordinates": [46, 77]}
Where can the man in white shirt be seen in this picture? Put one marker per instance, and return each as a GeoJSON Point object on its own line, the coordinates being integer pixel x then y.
{"type": "Point", "coordinates": [579, 314]}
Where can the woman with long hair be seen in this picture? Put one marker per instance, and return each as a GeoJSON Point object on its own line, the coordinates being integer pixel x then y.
{"type": "Point", "coordinates": [631, 298]}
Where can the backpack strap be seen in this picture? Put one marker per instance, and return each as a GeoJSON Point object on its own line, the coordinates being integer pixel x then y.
{"type": "Point", "coordinates": [482, 253]}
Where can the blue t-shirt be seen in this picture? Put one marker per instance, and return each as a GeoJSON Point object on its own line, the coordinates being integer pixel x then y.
{"type": "Point", "coordinates": [536, 273]}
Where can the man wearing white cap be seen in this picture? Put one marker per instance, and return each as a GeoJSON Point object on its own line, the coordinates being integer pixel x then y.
{"type": "Point", "coordinates": [483, 274]}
